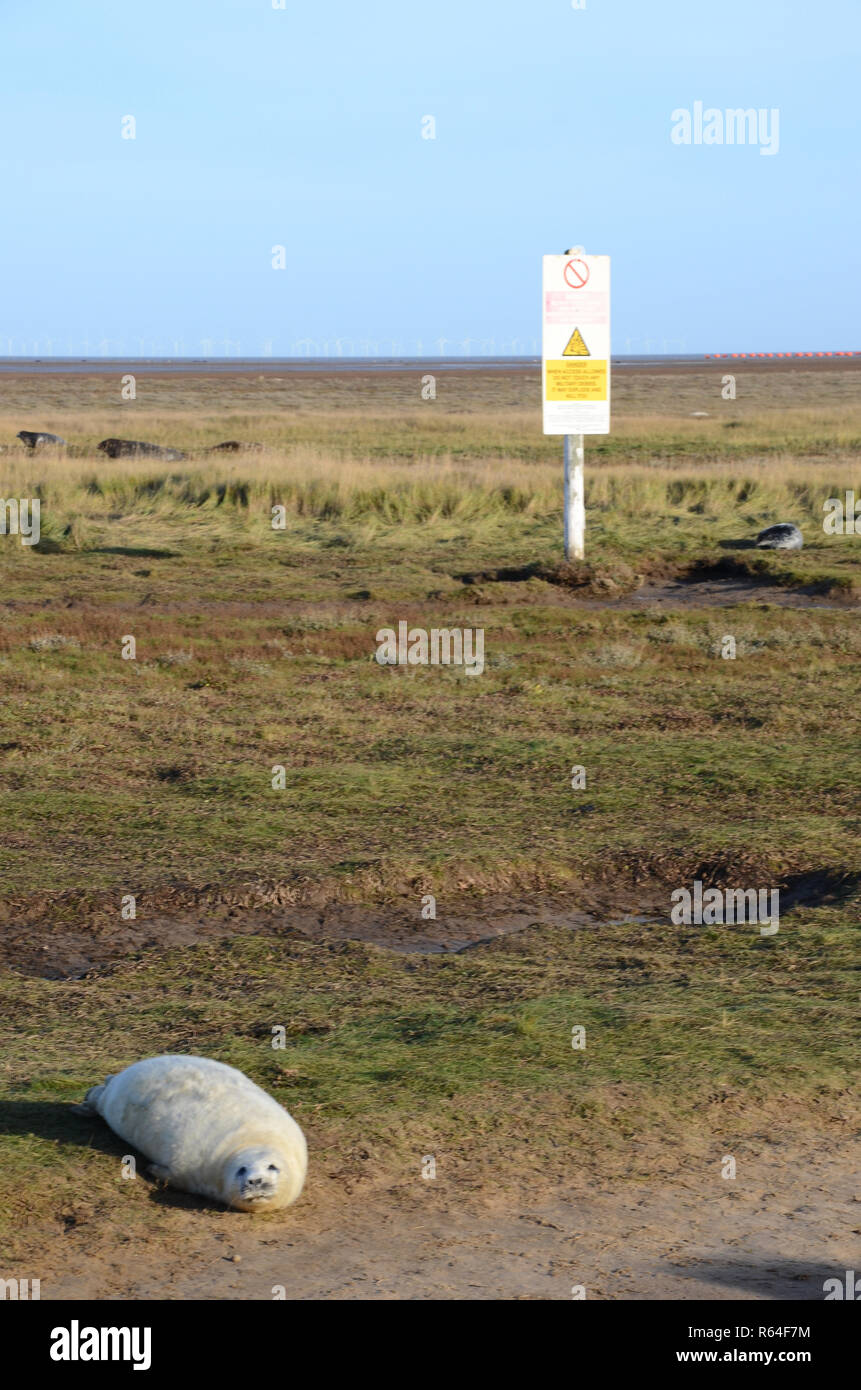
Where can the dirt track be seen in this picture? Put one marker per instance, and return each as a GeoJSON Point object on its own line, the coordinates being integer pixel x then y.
{"type": "Point", "coordinates": [772, 1233]}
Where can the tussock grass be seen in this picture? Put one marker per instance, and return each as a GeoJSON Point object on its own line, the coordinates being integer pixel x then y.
{"type": "Point", "coordinates": [312, 483]}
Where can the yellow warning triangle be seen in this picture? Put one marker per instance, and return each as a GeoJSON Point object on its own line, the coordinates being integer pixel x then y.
{"type": "Point", "coordinates": [576, 347]}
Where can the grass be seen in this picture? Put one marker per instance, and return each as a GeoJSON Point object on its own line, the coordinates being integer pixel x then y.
{"type": "Point", "coordinates": [255, 648]}
{"type": "Point", "coordinates": [466, 1057]}
{"type": "Point", "coordinates": [160, 769]}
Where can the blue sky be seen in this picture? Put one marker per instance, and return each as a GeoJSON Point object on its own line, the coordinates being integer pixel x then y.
{"type": "Point", "coordinates": [302, 127]}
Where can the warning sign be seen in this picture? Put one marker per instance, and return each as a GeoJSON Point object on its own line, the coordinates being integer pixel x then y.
{"type": "Point", "coordinates": [576, 344]}
{"type": "Point", "coordinates": [576, 381]}
{"type": "Point", "coordinates": [575, 347]}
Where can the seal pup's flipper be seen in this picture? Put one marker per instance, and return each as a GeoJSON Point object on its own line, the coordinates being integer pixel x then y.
{"type": "Point", "coordinates": [159, 1172]}
{"type": "Point", "coordinates": [89, 1105]}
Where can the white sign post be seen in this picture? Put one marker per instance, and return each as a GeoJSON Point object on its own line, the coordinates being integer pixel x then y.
{"type": "Point", "coordinates": [575, 370]}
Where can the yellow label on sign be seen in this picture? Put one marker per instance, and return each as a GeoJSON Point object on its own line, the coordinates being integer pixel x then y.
{"type": "Point", "coordinates": [575, 347]}
{"type": "Point", "coordinates": [576, 381]}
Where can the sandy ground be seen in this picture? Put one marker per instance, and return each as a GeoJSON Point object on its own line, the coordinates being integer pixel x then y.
{"type": "Point", "coordinates": [790, 1220]}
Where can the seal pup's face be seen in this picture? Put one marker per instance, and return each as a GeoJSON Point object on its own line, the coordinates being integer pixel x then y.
{"type": "Point", "coordinates": [257, 1180]}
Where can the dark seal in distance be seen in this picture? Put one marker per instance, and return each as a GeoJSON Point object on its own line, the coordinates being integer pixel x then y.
{"type": "Point", "coordinates": [135, 448]}
{"type": "Point", "coordinates": [35, 439]}
{"type": "Point", "coordinates": [235, 446]}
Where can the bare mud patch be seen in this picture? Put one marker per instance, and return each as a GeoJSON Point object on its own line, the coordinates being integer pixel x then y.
{"type": "Point", "coordinates": [703, 583]}
{"type": "Point", "coordinates": [59, 941]}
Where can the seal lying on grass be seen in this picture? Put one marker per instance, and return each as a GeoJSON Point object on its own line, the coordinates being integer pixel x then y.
{"type": "Point", "coordinates": [234, 446]}
{"type": "Point", "coordinates": [138, 448]}
{"type": "Point", "coordinates": [37, 439]}
{"type": "Point", "coordinates": [783, 536]}
{"type": "Point", "coordinates": [207, 1129]}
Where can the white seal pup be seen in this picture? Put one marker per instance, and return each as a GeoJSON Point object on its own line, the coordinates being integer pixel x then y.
{"type": "Point", "coordinates": [206, 1128]}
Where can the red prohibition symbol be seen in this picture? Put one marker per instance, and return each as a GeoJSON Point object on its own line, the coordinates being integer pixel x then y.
{"type": "Point", "coordinates": [576, 274]}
